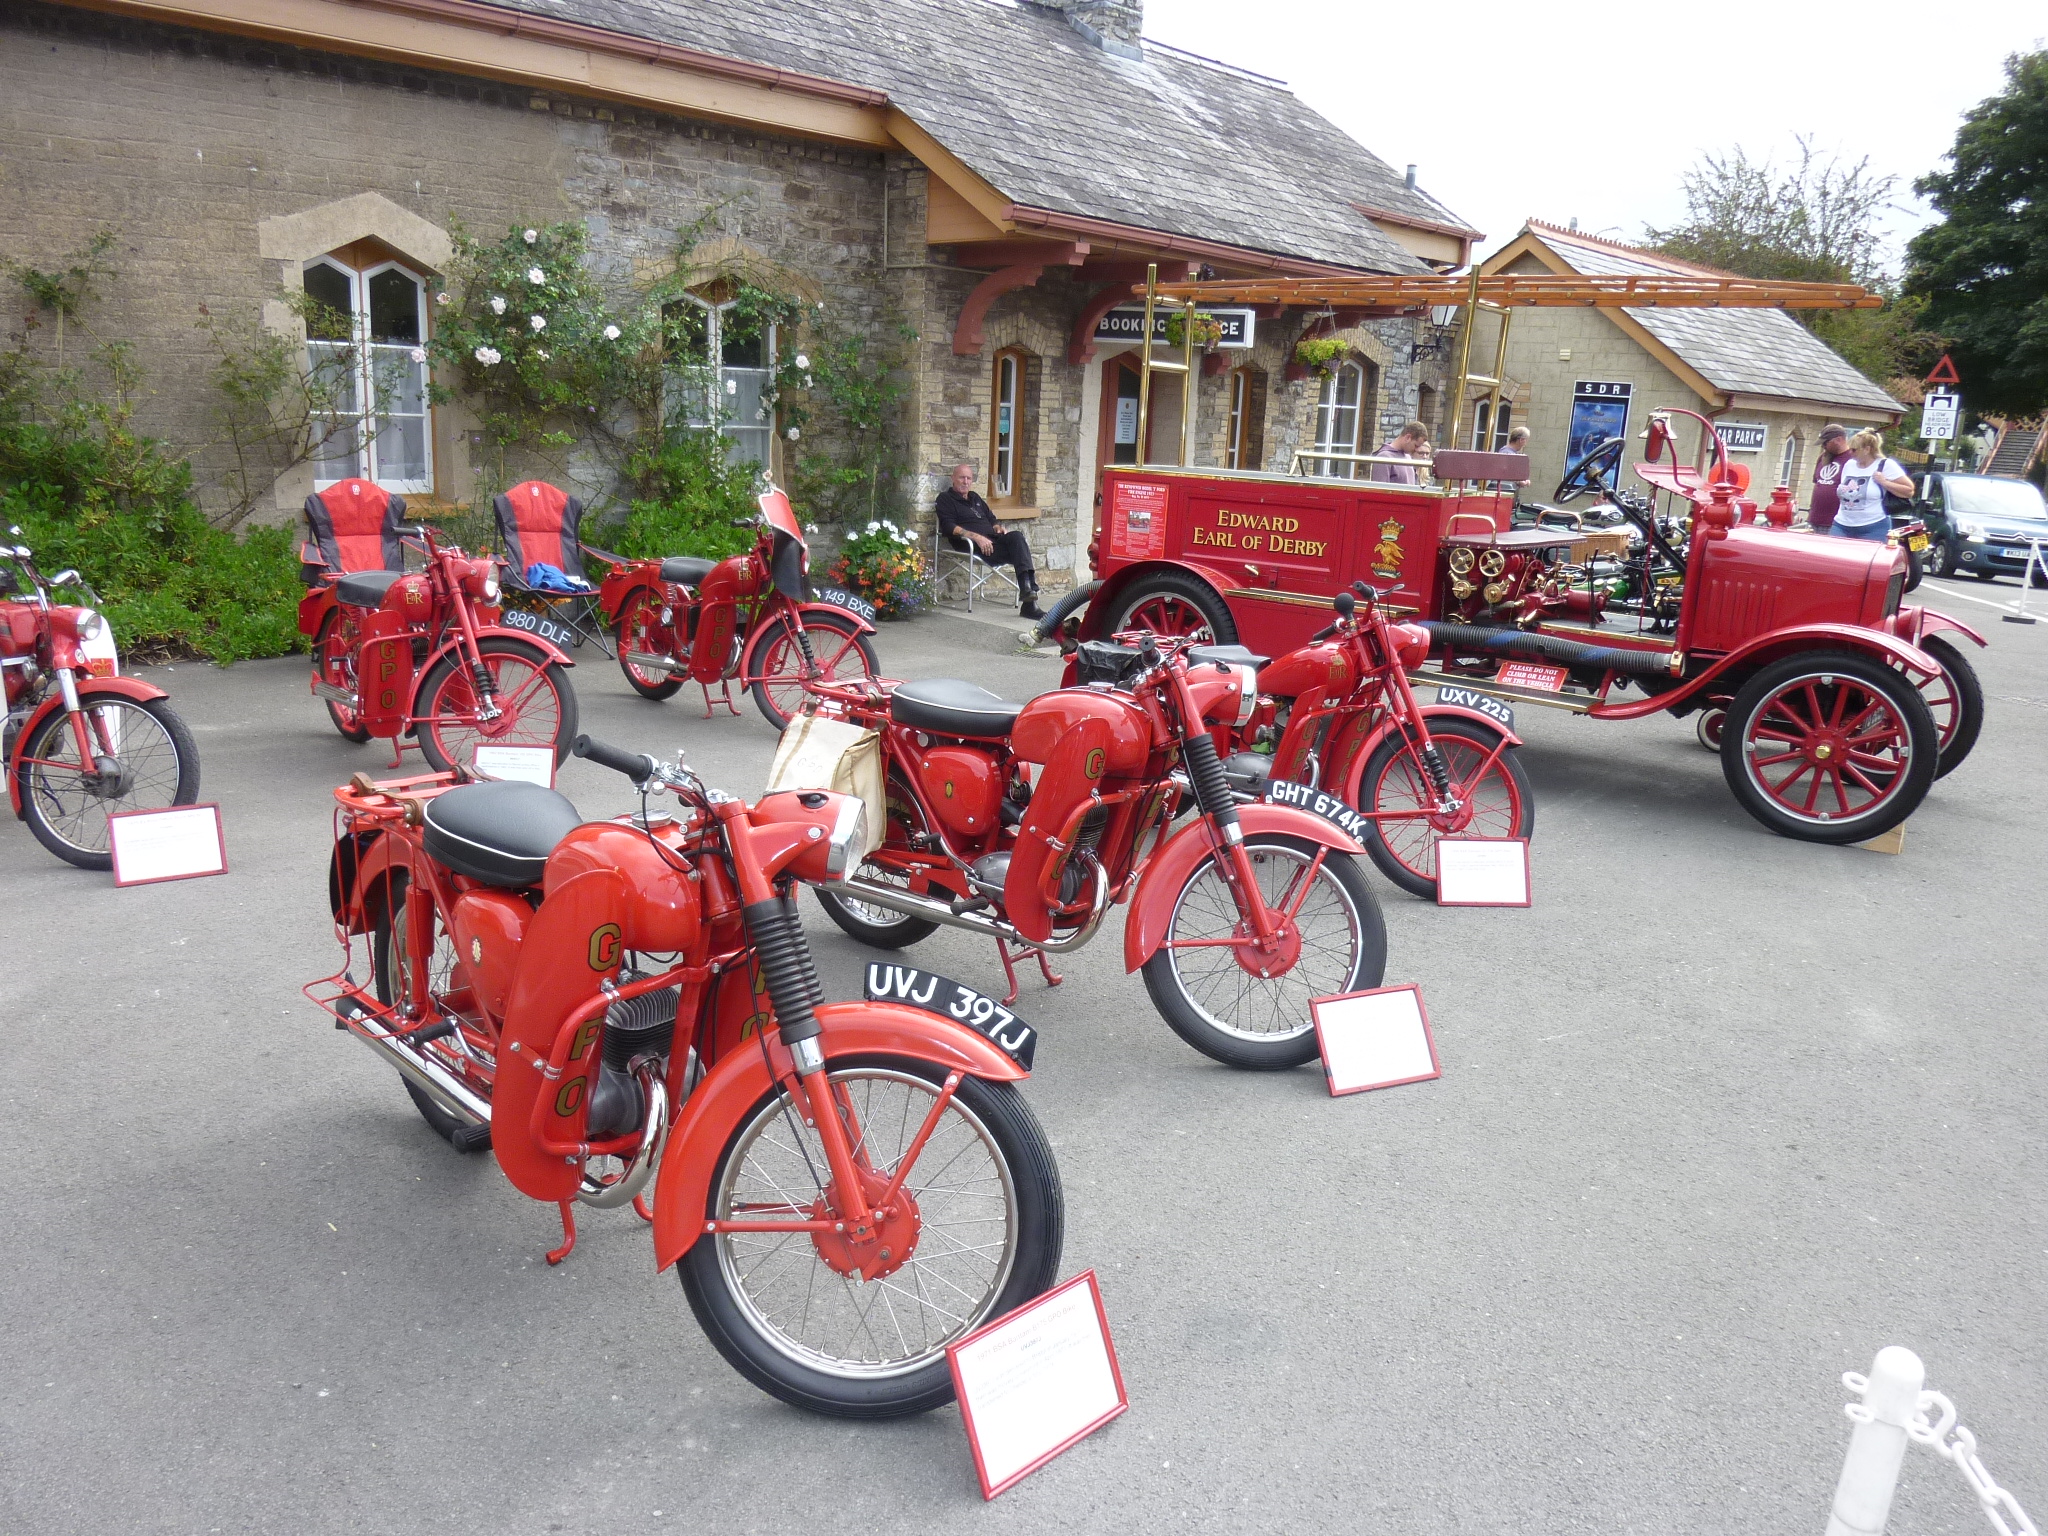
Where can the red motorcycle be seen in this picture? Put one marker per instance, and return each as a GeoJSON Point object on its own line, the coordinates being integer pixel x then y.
{"type": "Point", "coordinates": [747, 618]}
{"type": "Point", "coordinates": [1028, 822]}
{"type": "Point", "coordinates": [1338, 715]}
{"type": "Point", "coordinates": [422, 654]}
{"type": "Point", "coordinates": [845, 1188]}
{"type": "Point", "coordinates": [80, 742]}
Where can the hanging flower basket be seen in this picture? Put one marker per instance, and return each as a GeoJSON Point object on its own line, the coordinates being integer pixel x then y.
{"type": "Point", "coordinates": [1208, 330]}
{"type": "Point", "coordinates": [1318, 355]}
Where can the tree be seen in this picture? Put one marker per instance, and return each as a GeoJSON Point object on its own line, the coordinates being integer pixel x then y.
{"type": "Point", "coordinates": [1813, 222]}
{"type": "Point", "coordinates": [1984, 268]}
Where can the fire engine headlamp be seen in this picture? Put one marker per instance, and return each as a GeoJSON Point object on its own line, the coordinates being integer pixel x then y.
{"type": "Point", "coordinates": [849, 838]}
{"type": "Point", "coordinates": [90, 624]}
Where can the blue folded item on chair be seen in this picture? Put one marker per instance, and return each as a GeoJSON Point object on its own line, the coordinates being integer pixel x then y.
{"type": "Point", "coordinates": [543, 577]}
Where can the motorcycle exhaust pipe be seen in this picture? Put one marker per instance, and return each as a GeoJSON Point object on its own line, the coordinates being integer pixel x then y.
{"type": "Point", "coordinates": [910, 904]}
{"type": "Point", "coordinates": [447, 1090]}
{"type": "Point", "coordinates": [334, 694]}
{"type": "Point", "coordinates": [651, 662]}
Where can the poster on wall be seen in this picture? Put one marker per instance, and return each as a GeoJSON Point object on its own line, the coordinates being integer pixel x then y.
{"type": "Point", "coordinates": [1599, 411]}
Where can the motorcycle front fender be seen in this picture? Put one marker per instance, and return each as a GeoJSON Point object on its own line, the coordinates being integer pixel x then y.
{"type": "Point", "coordinates": [729, 1093]}
{"type": "Point", "coordinates": [1159, 887]}
{"type": "Point", "coordinates": [123, 687]}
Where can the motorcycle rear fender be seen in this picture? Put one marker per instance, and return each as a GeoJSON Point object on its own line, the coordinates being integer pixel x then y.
{"type": "Point", "coordinates": [360, 864]}
{"type": "Point", "coordinates": [1913, 625]}
{"type": "Point", "coordinates": [1159, 887]}
{"type": "Point", "coordinates": [1431, 712]}
{"type": "Point", "coordinates": [485, 632]}
{"type": "Point", "coordinates": [617, 589]}
{"type": "Point", "coordinates": [313, 608]}
{"type": "Point", "coordinates": [126, 687]}
{"type": "Point", "coordinates": [723, 1100]}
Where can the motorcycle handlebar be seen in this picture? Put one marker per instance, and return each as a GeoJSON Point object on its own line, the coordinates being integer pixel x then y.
{"type": "Point", "coordinates": [637, 766]}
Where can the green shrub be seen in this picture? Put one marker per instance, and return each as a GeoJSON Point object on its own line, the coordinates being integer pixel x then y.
{"type": "Point", "coordinates": [690, 495]}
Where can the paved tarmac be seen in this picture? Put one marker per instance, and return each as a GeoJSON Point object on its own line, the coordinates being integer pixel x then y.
{"type": "Point", "coordinates": [1721, 1114]}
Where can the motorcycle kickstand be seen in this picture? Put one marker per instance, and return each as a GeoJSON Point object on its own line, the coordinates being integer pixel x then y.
{"type": "Point", "coordinates": [1010, 970]}
{"type": "Point", "coordinates": [640, 1209]}
{"type": "Point", "coordinates": [724, 696]}
{"type": "Point", "coordinates": [556, 1255]}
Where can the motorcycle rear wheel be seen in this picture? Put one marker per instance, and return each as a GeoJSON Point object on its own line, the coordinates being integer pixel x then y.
{"type": "Point", "coordinates": [67, 809]}
{"type": "Point", "coordinates": [879, 927]}
{"type": "Point", "coordinates": [640, 629]}
{"type": "Point", "coordinates": [334, 663]}
{"type": "Point", "coordinates": [388, 973]}
{"type": "Point", "coordinates": [1262, 1023]}
{"type": "Point", "coordinates": [805, 1332]}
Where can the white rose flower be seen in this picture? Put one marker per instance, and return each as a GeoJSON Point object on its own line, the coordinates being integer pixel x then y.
{"type": "Point", "coordinates": [541, 353]}
{"type": "Point", "coordinates": [418, 354]}
{"type": "Point", "coordinates": [535, 276]}
{"type": "Point", "coordinates": [792, 434]}
{"type": "Point", "coordinates": [531, 235]}
{"type": "Point", "coordinates": [538, 322]}
{"type": "Point", "coordinates": [488, 356]}
{"type": "Point", "coordinates": [497, 305]}
{"type": "Point", "coordinates": [442, 298]}
{"type": "Point", "coordinates": [803, 362]}
{"type": "Point", "coordinates": [732, 386]}
{"type": "Point", "coordinates": [611, 333]}
{"type": "Point", "coordinates": [811, 529]}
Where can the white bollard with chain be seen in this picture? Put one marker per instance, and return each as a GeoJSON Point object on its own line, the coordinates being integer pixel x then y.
{"type": "Point", "coordinates": [1877, 1446]}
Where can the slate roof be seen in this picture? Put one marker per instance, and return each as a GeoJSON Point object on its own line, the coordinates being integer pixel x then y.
{"type": "Point", "coordinates": [1738, 351]}
{"type": "Point", "coordinates": [1172, 142]}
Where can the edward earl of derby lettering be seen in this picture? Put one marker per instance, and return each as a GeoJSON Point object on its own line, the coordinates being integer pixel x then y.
{"type": "Point", "coordinates": [1278, 527]}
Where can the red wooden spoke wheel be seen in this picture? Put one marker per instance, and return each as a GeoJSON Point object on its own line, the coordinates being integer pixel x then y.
{"type": "Point", "coordinates": [1169, 603]}
{"type": "Point", "coordinates": [641, 631]}
{"type": "Point", "coordinates": [1830, 748]}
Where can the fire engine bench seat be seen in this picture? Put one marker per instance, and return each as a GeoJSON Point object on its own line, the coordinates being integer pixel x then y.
{"type": "Point", "coordinates": [687, 570]}
{"type": "Point", "coordinates": [498, 833]}
{"type": "Point", "coordinates": [1515, 539]}
{"type": "Point", "coordinates": [364, 589]}
{"type": "Point", "coordinates": [946, 706]}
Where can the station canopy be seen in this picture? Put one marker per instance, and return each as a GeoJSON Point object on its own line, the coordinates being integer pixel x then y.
{"type": "Point", "coordinates": [1370, 296]}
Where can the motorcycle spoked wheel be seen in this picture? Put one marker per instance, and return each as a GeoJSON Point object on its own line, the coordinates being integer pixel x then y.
{"type": "Point", "coordinates": [879, 927]}
{"type": "Point", "coordinates": [1502, 802]}
{"type": "Point", "coordinates": [640, 629]}
{"type": "Point", "coordinates": [1231, 1013]}
{"type": "Point", "coordinates": [986, 1236]}
{"type": "Point", "coordinates": [334, 663]}
{"type": "Point", "coordinates": [390, 974]}
{"type": "Point", "coordinates": [67, 808]}
{"type": "Point", "coordinates": [534, 692]}
{"type": "Point", "coordinates": [841, 650]}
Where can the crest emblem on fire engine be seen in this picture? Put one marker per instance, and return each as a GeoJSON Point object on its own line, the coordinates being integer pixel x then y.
{"type": "Point", "coordinates": [1386, 555]}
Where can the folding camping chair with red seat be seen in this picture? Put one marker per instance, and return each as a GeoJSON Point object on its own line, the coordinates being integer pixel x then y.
{"type": "Point", "coordinates": [539, 526]}
{"type": "Point", "coordinates": [354, 544]}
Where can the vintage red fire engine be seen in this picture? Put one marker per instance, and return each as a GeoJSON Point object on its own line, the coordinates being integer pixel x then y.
{"type": "Point", "coordinates": [1833, 706]}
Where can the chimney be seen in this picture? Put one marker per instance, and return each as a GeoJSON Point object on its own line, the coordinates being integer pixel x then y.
{"type": "Point", "coordinates": [1411, 178]}
{"type": "Point", "coordinates": [1112, 25]}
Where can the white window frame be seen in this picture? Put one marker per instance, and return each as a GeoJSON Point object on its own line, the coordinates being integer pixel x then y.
{"type": "Point", "coordinates": [1330, 408]}
{"type": "Point", "coordinates": [1240, 402]}
{"type": "Point", "coordinates": [366, 453]}
{"type": "Point", "coordinates": [738, 437]}
{"type": "Point", "coordinates": [1788, 462]}
{"type": "Point", "coordinates": [1008, 384]}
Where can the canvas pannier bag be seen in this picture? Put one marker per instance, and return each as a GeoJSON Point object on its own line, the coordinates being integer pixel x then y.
{"type": "Point", "coordinates": [820, 753]}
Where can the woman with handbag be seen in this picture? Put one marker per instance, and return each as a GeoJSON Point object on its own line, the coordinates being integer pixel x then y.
{"type": "Point", "coordinates": [1860, 494]}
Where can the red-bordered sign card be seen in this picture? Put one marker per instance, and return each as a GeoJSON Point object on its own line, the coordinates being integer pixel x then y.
{"type": "Point", "coordinates": [1482, 872]}
{"type": "Point", "coordinates": [181, 843]}
{"type": "Point", "coordinates": [1530, 674]}
{"type": "Point", "coordinates": [1036, 1381]}
{"type": "Point", "coordinates": [1375, 1039]}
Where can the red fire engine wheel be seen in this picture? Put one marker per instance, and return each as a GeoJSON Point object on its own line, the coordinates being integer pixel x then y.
{"type": "Point", "coordinates": [1169, 603]}
{"type": "Point", "coordinates": [1829, 748]}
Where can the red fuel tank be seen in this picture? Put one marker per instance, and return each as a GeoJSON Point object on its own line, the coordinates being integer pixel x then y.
{"type": "Point", "coordinates": [662, 910]}
{"type": "Point", "coordinates": [1306, 671]}
{"type": "Point", "coordinates": [487, 927]}
{"type": "Point", "coordinates": [962, 787]}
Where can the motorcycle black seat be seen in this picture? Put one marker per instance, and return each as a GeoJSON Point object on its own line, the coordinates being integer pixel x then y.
{"type": "Point", "coordinates": [1228, 655]}
{"type": "Point", "coordinates": [499, 833]}
{"type": "Point", "coordinates": [686, 570]}
{"type": "Point", "coordinates": [949, 707]}
{"type": "Point", "coordinates": [365, 589]}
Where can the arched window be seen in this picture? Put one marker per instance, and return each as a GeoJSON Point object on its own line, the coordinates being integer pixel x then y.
{"type": "Point", "coordinates": [1244, 444]}
{"type": "Point", "coordinates": [1007, 421]}
{"type": "Point", "coordinates": [366, 332]}
{"type": "Point", "coordinates": [1340, 419]}
{"type": "Point", "coordinates": [721, 374]}
{"type": "Point", "coordinates": [1788, 466]}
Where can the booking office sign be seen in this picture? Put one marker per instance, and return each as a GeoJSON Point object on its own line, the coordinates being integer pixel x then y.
{"type": "Point", "coordinates": [1599, 412]}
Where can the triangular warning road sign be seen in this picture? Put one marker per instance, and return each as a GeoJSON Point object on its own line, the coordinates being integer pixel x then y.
{"type": "Point", "coordinates": [1944, 372]}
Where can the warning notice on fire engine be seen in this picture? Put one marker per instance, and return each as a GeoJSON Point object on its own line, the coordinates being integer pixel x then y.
{"type": "Point", "coordinates": [1137, 520]}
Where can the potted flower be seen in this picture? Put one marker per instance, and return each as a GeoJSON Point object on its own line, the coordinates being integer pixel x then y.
{"type": "Point", "coordinates": [1208, 330]}
{"type": "Point", "coordinates": [1315, 355]}
{"type": "Point", "coordinates": [883, 564]}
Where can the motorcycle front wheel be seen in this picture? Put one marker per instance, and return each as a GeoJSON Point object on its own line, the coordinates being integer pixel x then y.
{"type": "Point", "coordinates": [1496, 803]}
{"type": "Point", "coordinates": [537, 707]}
{"type": "Point", "coordinates": [152, 764]}
{"type": "Point", "coordinates": [981, 1235]}
{"type": "Point", "coordinates": [1212, 992]}
{"type": "Point", "coordinates": [842, 652]}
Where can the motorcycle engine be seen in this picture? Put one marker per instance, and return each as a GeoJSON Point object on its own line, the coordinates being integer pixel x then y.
{"type": "Point", "coordinates": [635, 1028]}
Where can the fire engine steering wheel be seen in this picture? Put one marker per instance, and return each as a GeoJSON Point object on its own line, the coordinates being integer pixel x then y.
{"type": "Point", "coordinates": [1604, 458]}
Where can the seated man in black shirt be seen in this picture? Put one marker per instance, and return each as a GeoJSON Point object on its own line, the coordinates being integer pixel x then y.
{"type": "Point", "coordinates": [968, 524]}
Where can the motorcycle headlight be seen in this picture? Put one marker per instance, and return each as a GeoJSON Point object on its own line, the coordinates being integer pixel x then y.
{"type": "Point", "coordinates": [849, 838]}
{"type": "Point", "coordinates": [89, 624]}
{"type": "Point", "coordinates": [490, 586]}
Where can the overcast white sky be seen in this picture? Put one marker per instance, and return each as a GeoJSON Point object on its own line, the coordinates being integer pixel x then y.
{"type": "Point", "coordinates": [1514, 110]}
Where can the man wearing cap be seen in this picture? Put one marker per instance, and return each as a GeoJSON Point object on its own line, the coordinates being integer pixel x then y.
{"type": "Point", "coordinates": [1827, 474]}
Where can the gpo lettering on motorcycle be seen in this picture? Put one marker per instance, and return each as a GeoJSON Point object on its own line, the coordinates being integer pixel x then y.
{"type": "Point", "coordinates": [1485, 703]}
{"type": "Point", "coordinates": [1318, 803]}
{"type": "Point", "coordinates": [948, 999]}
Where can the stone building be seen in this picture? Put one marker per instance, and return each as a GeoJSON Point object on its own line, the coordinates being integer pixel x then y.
{"type": "Point", "coordinates": [1767, 382]}
{"type": "Point", "coordinates": [991, 176]}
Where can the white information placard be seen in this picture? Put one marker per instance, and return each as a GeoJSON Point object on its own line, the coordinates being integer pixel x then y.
{"type": "Point", "coordinates": [1376, 1039]}
{"type": "Point", "coordinates": [181, 843]}
{"type": "Point", "coordinates": [530, 765]}
{"type": "Point", "coordinates": [1482, 872]}
{"type": "Point", "coordinates": [1035, 1381]}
